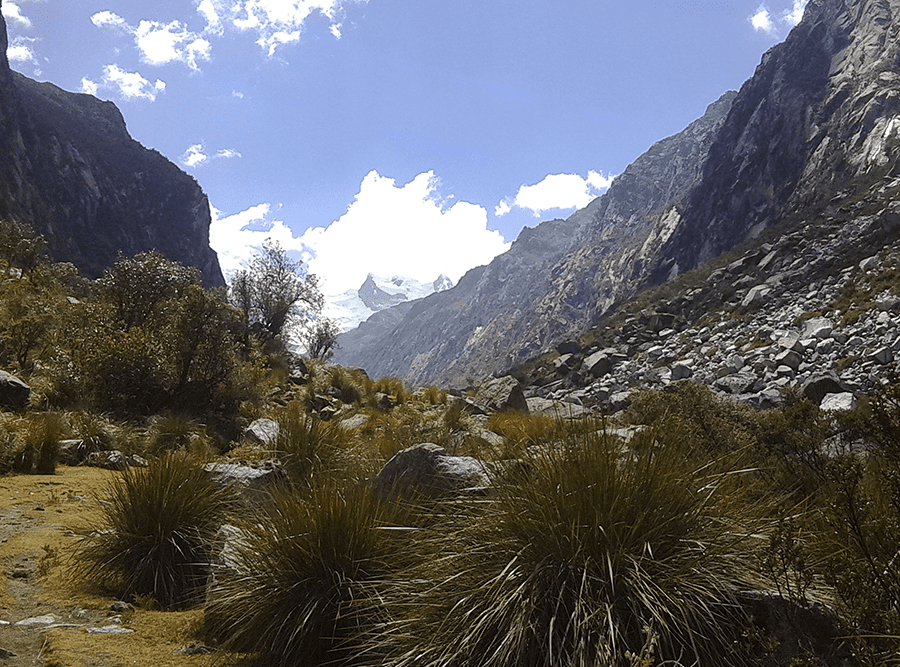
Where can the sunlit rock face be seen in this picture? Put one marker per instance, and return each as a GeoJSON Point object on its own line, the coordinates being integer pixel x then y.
{"type": "Point", "coordinates": [71, 170]}
{"type": "Point", "coordinates": [817, 125]}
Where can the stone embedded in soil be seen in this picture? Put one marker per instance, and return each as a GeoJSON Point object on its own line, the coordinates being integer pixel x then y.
{"type": "Point", "coordinates": [36, 621]}
{"type": "Point", "coordinates": [109, 630]}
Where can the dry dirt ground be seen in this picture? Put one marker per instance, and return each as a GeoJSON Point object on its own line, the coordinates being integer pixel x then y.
{"type": "Point", "coordinates": [38, 517]}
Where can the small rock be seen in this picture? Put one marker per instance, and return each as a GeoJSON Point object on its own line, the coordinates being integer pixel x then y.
{"type": "Point", "coordinates": [193, 648]}
{"type": "Point", "coordinates": [883, 355]}
{"type": "Point", "coordinates": [112, 460]}
{"type": "Point", "coordinates": [36, 621]}
{"type": "Point", "coordinates": [14, 393]}
{"type": "Point", "coordinates": [428, 469]}
{"type": "Point", "coordinates": [502, 394]}
{"type": "Point", "coordinates": [262, 432]}
{"type": "Point", "coordinates": [681, 371]}
{"type": "Point", "coordinates": [109, 630]}
{"type": "Point", "coordinates": [841, 402]}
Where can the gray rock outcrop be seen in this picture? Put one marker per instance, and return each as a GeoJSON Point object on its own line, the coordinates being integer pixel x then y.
{"type": "Point", "coordinates": [428, 470]}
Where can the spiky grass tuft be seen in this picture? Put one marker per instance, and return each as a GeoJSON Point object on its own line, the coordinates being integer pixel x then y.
{"type": "Point", "coordinates": [307, 576]}
{"type": "Point", "coordinates": [585, 556]}
{"type": "Point", "coordinates": [157, 531]}
{"type": "Point", "coordinates": [308, 446]}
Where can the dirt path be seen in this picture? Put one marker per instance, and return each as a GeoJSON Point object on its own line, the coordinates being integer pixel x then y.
{"type": "Point", "coordinates": [48, 617]}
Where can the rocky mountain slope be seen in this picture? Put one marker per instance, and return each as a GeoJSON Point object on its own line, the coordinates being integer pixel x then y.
{"type": "Point", "coordinates": [496, 316]}
{"type": "Point", "coordinates": [818, 121]}
{"type": "Point", "coordinates": [71, 170]}
{"type": "Point", "coordinates": [812, 307]}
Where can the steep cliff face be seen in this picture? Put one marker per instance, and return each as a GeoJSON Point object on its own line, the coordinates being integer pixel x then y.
{"type": "Point", "coordinates": [817, 124]}
{"type": "Point", "coordinates": [71, 170]}
{"type": "Point", "coordinates": [818, 118]}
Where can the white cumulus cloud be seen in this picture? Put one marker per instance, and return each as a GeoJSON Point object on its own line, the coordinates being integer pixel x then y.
{"type": "Point", "coordinates": [160, 43]}
{"type": "Point", "coordinates": [20, 50]}
{"type": "Point", "coordinates": [130, 85]}
{"type": "Point", "coordinates": [12, 12]}
{"type": "Point", "coordinates": [405, 230]}
{"type": "Point", "coordinates": [762, 21]}
{"type": "Point", "coordinates": [556, 191]}
{"type": "Point", "coordinates": [235, 238]}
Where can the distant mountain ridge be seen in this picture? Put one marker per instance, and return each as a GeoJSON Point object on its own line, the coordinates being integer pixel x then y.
{"type": "Point", "coordinates": [819, 119]}
{"type": "Point", "coordinates": [71, 170]}
{"type": "Point", "coordinates": [376, 294]}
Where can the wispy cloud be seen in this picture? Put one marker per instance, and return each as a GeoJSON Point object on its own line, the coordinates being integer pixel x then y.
{"type": "Point", "coordinates": [160, 43]}
{"type": "Point", "coordinates": [196, 155]}
{"type": "Point", "coordinates": [128, 85]}
{"type": "Point", "coordinates": [556, 191]}
{"type": "Point", "coordinates": [275, 22]}
{"type": "Point", "coordinates": [763, 20]}
{"type": "Point", "coordinates": [794, 15]}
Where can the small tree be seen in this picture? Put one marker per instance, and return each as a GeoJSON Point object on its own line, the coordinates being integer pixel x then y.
{"type": "Point", "coordinates": [320, 339]}
{"type": "Point", "coordinates": [274, 290]}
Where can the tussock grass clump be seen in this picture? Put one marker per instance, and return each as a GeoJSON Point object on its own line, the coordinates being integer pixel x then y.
{"type": "Point", "coordinates": [524, 430]}
{"type": "Point", "coordinates": [585, 555]}
{"type": "Point", "coordinates": [157, 530]}
{"type": "Point", "coordinates": [393, 388]}
{"type": "Point", "coordinates": [307, 445]}
{"type": "Point", "coordinates": [434, 396]}
{"type": "Point", "coordinates": [170, 431]}
{"type": "Point", "coordinates": [42, 438]}
{"type": "Point", "coordinates": [308, 574]}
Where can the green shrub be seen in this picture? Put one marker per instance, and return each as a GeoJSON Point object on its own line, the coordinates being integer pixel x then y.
{"type": "Point", "coordinates": [584, 556]}
{"type": "Point", "coordinates": [308, 576]}
{"type": "Point", "coordinates": [157, 529]}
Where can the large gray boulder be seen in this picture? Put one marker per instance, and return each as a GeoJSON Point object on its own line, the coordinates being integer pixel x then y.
{"type": "Point", "coordinates": [14, 393]}
{"type": "Point", "coordinates": [251, 483]}
{"type": "Point", "coordinates": [819, 385]}
{"type": "Point", "coordinates": [428, 470]}
{"type": "Point", "coordinates": [502, 394]}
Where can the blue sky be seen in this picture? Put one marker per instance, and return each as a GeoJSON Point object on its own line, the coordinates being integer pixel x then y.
{"type": "Point", "coordinates": [414, 137]}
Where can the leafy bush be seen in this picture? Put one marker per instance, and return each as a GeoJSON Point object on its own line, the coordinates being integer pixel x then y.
{"type": "Point", "coordinates": [584, 556]}
{"type": "Point", "coordinates": [308, 576]}
{"type": "Point", "coordinates": [157, 530]}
